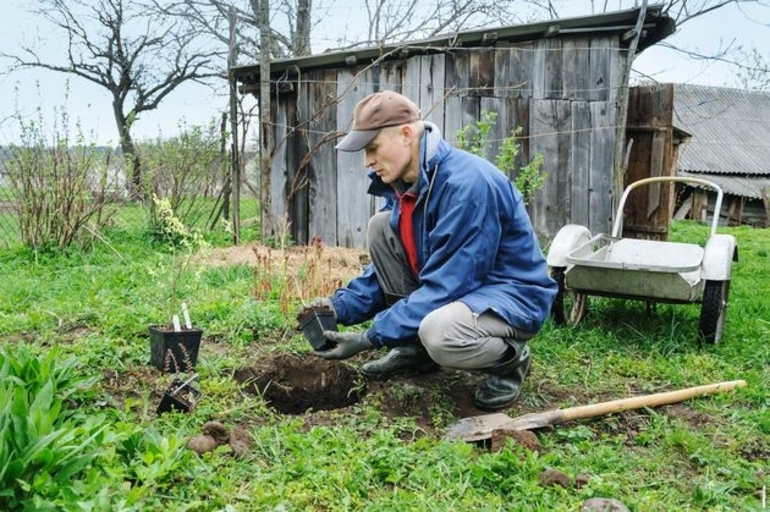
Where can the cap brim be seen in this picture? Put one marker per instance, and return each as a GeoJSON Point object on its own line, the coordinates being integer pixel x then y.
{"type": "Point", "coordinates": [357, 140]}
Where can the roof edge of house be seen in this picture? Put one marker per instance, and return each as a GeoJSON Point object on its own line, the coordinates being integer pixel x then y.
{"type": "Point", "coordinates": [657, 26]}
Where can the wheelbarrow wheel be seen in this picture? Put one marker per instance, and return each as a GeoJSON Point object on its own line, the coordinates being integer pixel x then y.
{"type": "Point", "coordinates": [566, 300]}
{"type": "Point", "coordinates": [713, 311]}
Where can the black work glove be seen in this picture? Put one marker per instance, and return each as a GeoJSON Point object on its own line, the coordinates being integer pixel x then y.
{"type": "Point", "coordinates": [345, 344]}
{"type": "Point", "coordinates": [316, 304]}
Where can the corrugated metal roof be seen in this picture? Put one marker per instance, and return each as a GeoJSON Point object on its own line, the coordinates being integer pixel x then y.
{"type": "Point", "coordinates": [730, 131]}
{"type": "Point", "coordinates": [746, 186]}
{"type": "Point", "coordinates": [657, 26]}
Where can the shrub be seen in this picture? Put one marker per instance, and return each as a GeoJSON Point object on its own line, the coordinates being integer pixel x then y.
{"type": "Point", "coordinates": [184, 169]}
{"type": "Point", "coordinates": [60, 189]}
{"type": "Point", "coordinates": [475, 138]}
{"type": "Point", "coordinates": [42, 445]}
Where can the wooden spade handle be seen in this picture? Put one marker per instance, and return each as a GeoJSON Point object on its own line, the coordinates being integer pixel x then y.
{"type": "Point", "coordinates": [637, 402]}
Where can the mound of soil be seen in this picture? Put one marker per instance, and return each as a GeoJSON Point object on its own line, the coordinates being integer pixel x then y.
{"type": "Point", "coordinates": [291, 384]}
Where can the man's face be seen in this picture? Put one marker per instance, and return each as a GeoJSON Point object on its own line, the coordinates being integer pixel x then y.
{"type": "Point", "coordinates": [389, 154]}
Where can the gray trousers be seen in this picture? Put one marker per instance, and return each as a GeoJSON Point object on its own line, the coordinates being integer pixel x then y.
{"type": "Point", "coordinates": [453, 335]}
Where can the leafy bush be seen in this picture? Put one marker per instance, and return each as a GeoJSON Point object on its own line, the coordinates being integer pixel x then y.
{"type": "Point", "coordinates": [184, 169]}
{"type": "Point", "coordinates": [42, 447]}
{"type": "Point", "coordinates": [183, 242]}
{"type": "Point", "coordinates": [475, 138]}
{"type": "Point", "coordinates": [61, 189]}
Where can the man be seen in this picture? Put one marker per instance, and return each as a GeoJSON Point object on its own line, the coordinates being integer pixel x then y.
{"type": "Point", "coordinates": [457, 277]}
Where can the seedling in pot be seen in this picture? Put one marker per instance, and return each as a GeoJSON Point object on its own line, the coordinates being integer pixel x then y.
{"type": "Point", "coordinates": [313, 322]}
{"type": "Point", "coordinates": [180, 396]}
{"type": "Point", "coordinates": [175, 350]}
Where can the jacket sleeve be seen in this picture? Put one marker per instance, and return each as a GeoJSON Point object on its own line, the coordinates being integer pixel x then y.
{"type": "Point", "coordinates": [360, 300]}
{"type": "Point", "coordinates": [462, 241]}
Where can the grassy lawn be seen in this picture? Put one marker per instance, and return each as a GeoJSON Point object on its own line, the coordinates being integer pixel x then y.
{"type": "Point", "coordinates": [75, 326]}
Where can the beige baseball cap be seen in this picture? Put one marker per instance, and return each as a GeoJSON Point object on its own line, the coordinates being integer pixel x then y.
{"type": "Point", "coordinates": [377, 111]}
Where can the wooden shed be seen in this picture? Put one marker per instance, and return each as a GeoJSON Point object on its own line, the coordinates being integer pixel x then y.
{"type": "Point", "coordinates": [563, 82]}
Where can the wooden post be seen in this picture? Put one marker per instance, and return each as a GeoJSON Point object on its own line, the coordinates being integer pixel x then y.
{"type": "Point", "coordinates": [618, 176]}
{"type": "Point", "coordinates": [766, 200]}
{"type": "Point", "coordinates": [235, 171]}
{"type": "Point", "coordinates": [266, 135]}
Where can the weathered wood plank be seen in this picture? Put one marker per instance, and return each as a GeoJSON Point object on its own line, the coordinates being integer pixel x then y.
{"type": "Point", "coordinates": [649, 125]}
{"type": "Point", "coordinates": [469, 112]}
{"type": "Point", "coordinates": [551, 137]}
{"type": "Point", "coordinates": [296, 191]}
{"type": "Point", "coordinates": [322, 218]}
{"type": "Point", "coordinates": [581, 163]}
{"type": "Point", "coordinates": [453, 118]}
{"type": "Point", "coordinates": [538, 70]}
{"type": "Point", "coordinates": [432, 73]}
{"type": "Point", "coordinates": [354, 206]}
{"type": "Point", "coordinates": [575, 68]}
{"type": "Point", "coordinates": [502, 69]}
{"type": "Point", "coordinates": [391, 75]}
{"type": "Point", "coordinates": [617, 65]}
{"type": "Point", "coordinates": [656, 170]}
{"type": "Point", "coordinates": [548, 81]}
{"type": "Point", "coordinates": [602, 164]}
{"type": "Point", "coordinates": [456, 70]}
{"type": "Point", "coordinates": [278, 172]}
{"type": "Point", "coordinates": [599, 76]}
{"type": "Point", "coordinates": [521, 70]}
{"type": "Point", "coordinates": [412, 74]}
{"type": "Point", "coordinates": [482, 71]}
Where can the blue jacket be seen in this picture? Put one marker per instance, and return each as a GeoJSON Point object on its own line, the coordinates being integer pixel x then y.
{"type": "Point", "coordinates": [475, 244]}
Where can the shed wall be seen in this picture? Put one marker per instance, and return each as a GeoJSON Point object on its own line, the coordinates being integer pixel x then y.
{"type": "Point", "coordinates": [562, 92]}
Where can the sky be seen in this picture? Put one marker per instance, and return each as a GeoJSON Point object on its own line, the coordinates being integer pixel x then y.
{"type": "Point", "coordinates": [88, 106]}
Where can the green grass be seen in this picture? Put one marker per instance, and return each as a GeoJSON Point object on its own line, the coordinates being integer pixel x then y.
{"type": "Point", "coordinates": [707, 455]}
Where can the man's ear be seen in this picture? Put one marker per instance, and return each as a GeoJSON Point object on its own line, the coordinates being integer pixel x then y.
{"type": "Point", "coordinates": [407, 133]}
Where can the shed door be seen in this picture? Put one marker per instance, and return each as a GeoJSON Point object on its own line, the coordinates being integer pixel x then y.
{"type": "Point", "coordinates": [649, 131]}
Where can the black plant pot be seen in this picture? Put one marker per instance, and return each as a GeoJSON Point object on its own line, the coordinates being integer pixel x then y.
{"type": "Point", "coordinates": [180, 396]}
{"type": "Point", "coordinates": [313, 324]}
{"type": "Point", "coordinates": [174, 351]}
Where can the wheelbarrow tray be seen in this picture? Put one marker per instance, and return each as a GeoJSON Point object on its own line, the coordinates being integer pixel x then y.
{"type": "Point", "coordinates": [640, 269]}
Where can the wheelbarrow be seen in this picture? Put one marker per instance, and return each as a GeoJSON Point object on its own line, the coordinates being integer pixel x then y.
{"type": "Point", "coordinates": [649, 270]}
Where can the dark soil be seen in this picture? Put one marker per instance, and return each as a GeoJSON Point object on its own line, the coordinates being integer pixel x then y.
{"type": "Point", "coordinates": [305, 384]}
{"type": "Point", "coordinates": [293, 384]}
{"type": "Point", "coordinates": [320, 391]}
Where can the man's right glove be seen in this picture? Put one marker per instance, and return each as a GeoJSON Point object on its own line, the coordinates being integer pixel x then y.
{"type": "Point", "coordinates": [316, 304]}
{"type": "Point", "coordinates": [345, 344]}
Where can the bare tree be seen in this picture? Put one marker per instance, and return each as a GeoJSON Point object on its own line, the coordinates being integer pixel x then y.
{"type": "Point", "coordinates": [395, 21]}
{"type": "Point", "coordinates": [289, 24]}
{"type": "Point", "coordinates": [754, 71]}
{"type": "Point", "coordinates": [139, 57]}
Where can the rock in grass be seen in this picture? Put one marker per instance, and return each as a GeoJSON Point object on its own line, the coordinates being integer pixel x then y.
{"type": "Point", "coordinates": [582, 480]}
{"type": "Point", "coordinates": [603, 505]}
{"type": "Point", "coordinates": [554, 477]}
{"type": "Point", "coordinates": [240, 441]}
{"type": "Point", "coordinates": [216, 430]}
{"type": "Point", "coordinates": [201, 444]}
